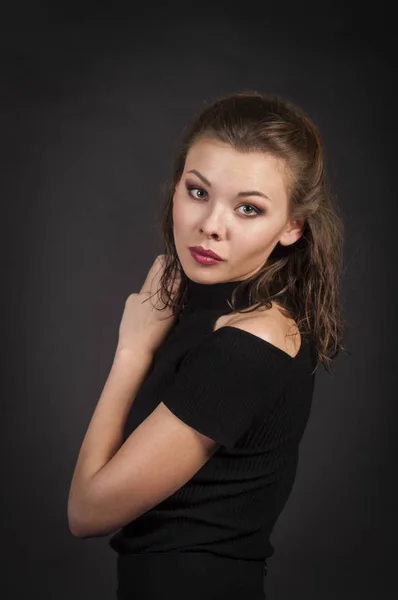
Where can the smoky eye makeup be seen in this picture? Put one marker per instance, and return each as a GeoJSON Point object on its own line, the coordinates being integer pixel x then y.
{"type": "Point", "coordinates": [191, 187]}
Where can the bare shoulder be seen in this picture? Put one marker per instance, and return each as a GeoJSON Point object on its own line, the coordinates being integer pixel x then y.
{"type": "Point", "coordinates": [270, 325]}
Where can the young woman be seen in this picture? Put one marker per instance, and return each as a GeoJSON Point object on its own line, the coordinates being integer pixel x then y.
{"type": "Point", "coordinates": [192, 450]}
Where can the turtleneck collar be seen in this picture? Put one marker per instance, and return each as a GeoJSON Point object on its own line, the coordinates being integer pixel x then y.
{"type": "Point", "coordinates": [214, 296]}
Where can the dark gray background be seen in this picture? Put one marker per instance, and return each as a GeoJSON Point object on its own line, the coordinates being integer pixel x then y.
{"type": "Point", "coordinates": [92, 104]}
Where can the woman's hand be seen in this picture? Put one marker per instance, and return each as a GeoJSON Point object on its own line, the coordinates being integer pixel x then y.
{"type": "Point", "coordinates": [144, 327]}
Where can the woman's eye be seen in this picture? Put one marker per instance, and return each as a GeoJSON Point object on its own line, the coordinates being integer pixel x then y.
{"type": "Point", "coordinates": [192, 188]}
{"type": "Point", "coordinates": [257, 210]}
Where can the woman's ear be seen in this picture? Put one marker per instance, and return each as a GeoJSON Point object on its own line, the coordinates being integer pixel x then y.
{"type": "Point", "coordinates": [292, 232]}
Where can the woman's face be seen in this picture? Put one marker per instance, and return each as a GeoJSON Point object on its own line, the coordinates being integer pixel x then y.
{"type": "Point", "coordinates": [241, 229]}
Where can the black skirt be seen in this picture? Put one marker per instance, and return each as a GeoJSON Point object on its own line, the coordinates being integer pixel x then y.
{"type": "Point", "coordinates": [184, 575]}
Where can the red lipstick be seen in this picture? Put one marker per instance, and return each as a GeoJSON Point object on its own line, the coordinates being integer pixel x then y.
{"type": "Point", "coordinates": [203, 256]}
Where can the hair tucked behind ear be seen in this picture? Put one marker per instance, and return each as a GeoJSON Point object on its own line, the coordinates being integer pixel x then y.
{"type": "Point", "coordinates": [308, 272]}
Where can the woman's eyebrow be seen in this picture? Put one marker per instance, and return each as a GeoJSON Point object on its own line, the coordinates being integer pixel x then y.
{"type": "Point", "coordinates": [244, 194]}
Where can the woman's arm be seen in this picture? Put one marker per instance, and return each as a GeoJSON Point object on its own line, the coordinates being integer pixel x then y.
{"type": "Point", "coordinates": [104, 435]}
{"type": "Point", "coordinates": [142, 330]}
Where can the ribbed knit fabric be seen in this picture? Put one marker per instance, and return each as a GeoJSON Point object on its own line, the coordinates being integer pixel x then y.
{"type": "Point", "coordinates": [249, 396]}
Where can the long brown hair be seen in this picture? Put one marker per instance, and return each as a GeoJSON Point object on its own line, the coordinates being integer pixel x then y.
{"type": "Point", "coordinates": [308, 272]}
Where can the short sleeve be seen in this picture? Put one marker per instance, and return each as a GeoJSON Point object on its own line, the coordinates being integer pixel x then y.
{"type": "Point", "coordinates": [226, 383]}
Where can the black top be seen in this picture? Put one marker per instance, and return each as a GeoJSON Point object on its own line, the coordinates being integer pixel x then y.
{"type": "Point", "coordinates": [251, 397]}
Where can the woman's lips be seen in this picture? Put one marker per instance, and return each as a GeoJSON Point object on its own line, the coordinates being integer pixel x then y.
{"type": "Point", "coordinates": [204, 260]}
